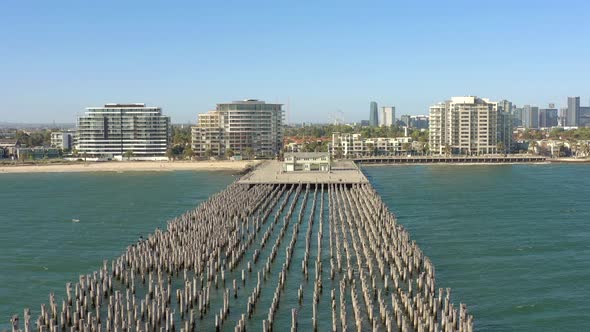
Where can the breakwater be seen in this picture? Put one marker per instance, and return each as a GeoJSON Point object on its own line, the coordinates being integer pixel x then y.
{"type": "Point", "coordinates": [237, 261]}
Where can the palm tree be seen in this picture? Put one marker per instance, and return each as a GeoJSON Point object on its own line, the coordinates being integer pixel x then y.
{"type": "Point", "coordinates": [229, 153]}
{"type": "Point", "coordinates": [448, 150]}
{"type": "Point", "coordinates": [208, 153]}
{"type": "Point", "coordinates": [170, 154]}
{"type": "Point", "coordinates": [407, 147]}
{"type": "Point", "coordinates": [128, 154]}
{"type": "Point", "coordinates": [188, 153]}
{"type": "Point", "coordinates": [501, 148]}
{"type": "Point", "coordinates": [249, 152]}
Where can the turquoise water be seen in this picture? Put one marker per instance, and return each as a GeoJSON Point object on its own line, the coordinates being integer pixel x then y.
{"type": "Point", "coordinates": [512, 241]}
{"type": "Point", "coordinates": [41, 248]}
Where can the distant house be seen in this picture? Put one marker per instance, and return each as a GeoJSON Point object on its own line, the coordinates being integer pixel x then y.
{"type": "Point", "coordinates": [307, 162]}
{"type": "Point", "coordinates": [8, 147]}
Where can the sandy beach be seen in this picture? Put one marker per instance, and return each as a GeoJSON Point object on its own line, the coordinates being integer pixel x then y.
{"type": "Point", "coordinates": [131, 166]}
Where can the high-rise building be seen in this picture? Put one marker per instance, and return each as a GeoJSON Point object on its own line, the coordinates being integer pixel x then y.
{"type": "Point", "coordinates": [548, 117]}
{"type": "Point", "coordinates": [517, 116]}
{"type": "Point", "coordinates": [505, 124]}
{"type": "Point", "coordinates": [465, 125]}
{"type": "Point", "coordinates": [562, 117]}
{"type": "Point", "coordinates": [505, 106]}
{"type": "Point", "coordinates": [373, 115]}
{"type": "Point", "coordinates": [584, 116]}
{"type": "Point", "coordinates": [530, 116]}
{"type": "Point", "coordinates": [387, 117]}
{"type": "Point", "coordinates": [239, 126]}
{"type": "Point", "coordinates": [117, 129]}
{"type": "Point", "coordinates": [406, 119]}
{"type": "Point", "coordinates": [573, 111]}
{"type": "Point", "coordinates": [419, 121]}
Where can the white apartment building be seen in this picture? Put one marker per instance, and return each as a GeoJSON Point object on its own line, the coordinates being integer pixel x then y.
{"type": "Point", "coordinates": [240, 125]}
{"type": "Point", "coordinates": [387, 116]}
{"type": "Point", "coordinates": [465, 125]}
{"type": "Point", "coordinates": [62, 140]}
{"type": "Point", "coordinates": [347, 145]}
{"type": "Point", "coordinates": [113, 130]}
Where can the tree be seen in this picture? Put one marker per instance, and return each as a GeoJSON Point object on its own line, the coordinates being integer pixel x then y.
{"type": "Point", "coordinates": [170, 154]}
{"type": "Point", "coordinates": [249, 153]}
{"type": "Point", "coordinates": [339, 152]}
{"type": "Point", "coordinates": [128, 154]}
{"type": "Point", "coordinates": [448, 150]}
{"type": "Point", "coordinates": [370, 148]}
{"type": "Point", "coordinates": [501, 148]}
{"type": "Point", "coordinates": [229, 153]}
{"type": "Point", "coordinates": [188, 153]}
{"type": "Point", "coordinates": [208, 153]}
{"type": "Point", "coordinates": [407, 147]}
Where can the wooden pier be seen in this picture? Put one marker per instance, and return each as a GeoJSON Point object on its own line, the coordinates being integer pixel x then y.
{"type": "Point", "coordinates": [297, 251]}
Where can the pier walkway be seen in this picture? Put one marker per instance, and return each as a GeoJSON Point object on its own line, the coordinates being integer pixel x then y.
{"type": "Point", "coordinates": [271, 172]}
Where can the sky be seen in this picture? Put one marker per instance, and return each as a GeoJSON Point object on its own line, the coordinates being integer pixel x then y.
{"type": "Point", "coordinates": [317, 57]}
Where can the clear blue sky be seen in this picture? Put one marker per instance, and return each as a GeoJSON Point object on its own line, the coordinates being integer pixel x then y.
{"type": "Point", "coordinates": [57, 57]}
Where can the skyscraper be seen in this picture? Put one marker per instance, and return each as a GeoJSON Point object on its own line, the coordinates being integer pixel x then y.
{"type": "Point", "coordinates": [505, 124]}
{"type": "Point", "coordinates": [573, 111]}
{"type": "Point", "coordinates": [373, 115]}
{"type": "Point", "coordinates": [387, 117]}
{"type": "Point", "coordinates": [547, 117]}
{"type": "Point", "coordinates": [530, 116]}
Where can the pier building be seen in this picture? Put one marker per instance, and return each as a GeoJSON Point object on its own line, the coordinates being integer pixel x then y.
{"type": "Point", "coordinates": [239, 126]}
{"type": "Point", "coordinates": [116, 130]}
{"type": "Point", "coordinates": [307, 161]}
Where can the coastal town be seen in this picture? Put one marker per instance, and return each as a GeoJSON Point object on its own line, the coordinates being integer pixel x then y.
{"type": "Point", "coordinates": [252, 129]}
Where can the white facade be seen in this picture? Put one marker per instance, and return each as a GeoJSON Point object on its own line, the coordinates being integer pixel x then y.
{"type": "Point", "coordinates": [387, 116]}
{"type": "Point", "coordinates": [113, 130]}
{"type": "Point", "coordinates": [354, 145]}
{"type": "Point", "coordinates": [465, 125]}
{"type": "Point", "coordinates": [62, 140]}
{"type": "Point", "coordinates": [307, 162]}
{"type": "Point", "coordinates": [240, 125]}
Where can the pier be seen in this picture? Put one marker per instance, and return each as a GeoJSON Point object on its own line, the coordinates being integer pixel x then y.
{"type": "Point", "coordinates": [273, 251]}
{"type": "Point", "coordinates": [508, 159]}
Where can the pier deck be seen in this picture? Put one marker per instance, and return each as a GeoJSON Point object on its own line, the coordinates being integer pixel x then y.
{"type": "Point", "coordinates": [271, 172]}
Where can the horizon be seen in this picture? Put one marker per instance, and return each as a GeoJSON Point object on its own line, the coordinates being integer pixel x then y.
{"type": "Point", "coordinates": [316, 59]}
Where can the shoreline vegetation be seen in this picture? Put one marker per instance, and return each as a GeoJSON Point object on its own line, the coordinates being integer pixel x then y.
{"type": "Point", "coordinates": [237, 166]}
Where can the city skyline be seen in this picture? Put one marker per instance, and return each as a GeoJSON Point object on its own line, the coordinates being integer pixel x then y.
{"type": "Point", "coordinates": [186, 58]}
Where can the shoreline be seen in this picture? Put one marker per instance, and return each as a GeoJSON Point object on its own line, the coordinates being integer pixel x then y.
{"type": "Point", "coordinates": [132, 166]}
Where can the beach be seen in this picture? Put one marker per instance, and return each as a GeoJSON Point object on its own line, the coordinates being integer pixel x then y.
{"type": "Point", "coordinates": [131, 166]}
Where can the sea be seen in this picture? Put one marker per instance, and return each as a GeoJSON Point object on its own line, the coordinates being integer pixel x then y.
{"type": "Point", "coordinates": [512, 241]}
